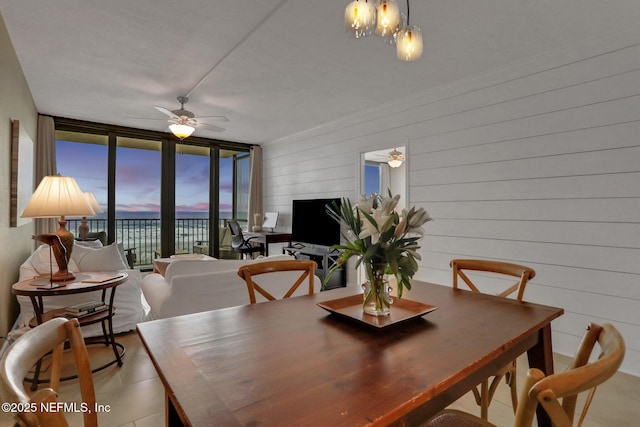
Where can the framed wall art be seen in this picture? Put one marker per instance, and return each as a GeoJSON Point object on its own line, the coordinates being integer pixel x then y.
{"type": "Point", "coordinates": [21, 173]}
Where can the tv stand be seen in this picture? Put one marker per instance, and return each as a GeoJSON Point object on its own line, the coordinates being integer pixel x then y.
{"type": "Point", "coordinates": [325, 258]}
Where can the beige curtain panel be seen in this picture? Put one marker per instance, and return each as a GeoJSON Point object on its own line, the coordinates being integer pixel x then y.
{"type": "Point", "coordinates": [45, 165]}
{"type": "Point", "coordinates": [255, 187]}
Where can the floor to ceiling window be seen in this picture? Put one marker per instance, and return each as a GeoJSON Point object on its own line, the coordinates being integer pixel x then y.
{"type": "Point", "coordinates": [84, 157]}
{"type": "Point", "coordinates": [137, 196]}
{"type": "Point", "coordinates": [192, 200]}
{"type": "Point", "coordinates": [159, 196]}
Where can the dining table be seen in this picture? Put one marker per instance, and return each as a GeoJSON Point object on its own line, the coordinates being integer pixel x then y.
{"type": "Point", "coordinates": [293, 362]}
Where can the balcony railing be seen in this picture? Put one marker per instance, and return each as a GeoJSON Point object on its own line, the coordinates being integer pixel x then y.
{"type": "Point", "coordinates": [144, 235]}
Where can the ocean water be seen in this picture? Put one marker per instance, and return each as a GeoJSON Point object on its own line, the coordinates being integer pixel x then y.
{"type": "Point", "coordinates": [156, 215]}
{"type": "Point", "coordinates": [141, 230]}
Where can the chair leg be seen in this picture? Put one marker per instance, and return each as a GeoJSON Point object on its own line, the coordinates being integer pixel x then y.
{"type": "Point", "coordinates": [511, 381]}
{"type": "Point", "coordinates": [484, 400]}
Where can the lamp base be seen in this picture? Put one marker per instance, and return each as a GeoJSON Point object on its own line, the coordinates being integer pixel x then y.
{"type": "Point", "coordinates": [45, 282]}
{"type": "Point", "coordinates": [63, 276]}
{"type": "Point", "coordinates": [83, 229]}
{"type": "Point", "coordinates": [66, 238]}
{"type": "Point", "coordinates": [61, 243]}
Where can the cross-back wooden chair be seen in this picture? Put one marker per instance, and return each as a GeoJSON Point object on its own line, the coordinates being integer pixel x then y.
{"type": "Point", "coordinates": [306, 267]}
{"type": "Point", "coordinates": [484, 394]}
{"type": "Point", "coordinates": [558, 393]}
{"type": "Point", "coordinates": [26, 351]}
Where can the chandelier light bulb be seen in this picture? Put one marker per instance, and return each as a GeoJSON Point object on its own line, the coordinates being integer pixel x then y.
{"type": "Point", "coordinates": [409, 44]}
{"type": "Point", "coordinates": [359, 18]}
{"type": "Point", "coordinates": [388, 18]}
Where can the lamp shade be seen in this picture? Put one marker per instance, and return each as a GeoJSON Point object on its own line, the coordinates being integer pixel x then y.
{"type": "Point", "coordinates": [409, 43]}
{"type": "Point", "coordinates": [93, 202]}
{"type": "Point", "coordinates": [57, 196]}
{"type": "Point", "coordinates": [181, 131]}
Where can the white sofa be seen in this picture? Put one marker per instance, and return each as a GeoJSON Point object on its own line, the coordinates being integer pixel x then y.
{"type": "Point", "coordinates": [88, 256]}
{"type": "Point", "coordinates": [193, 286]}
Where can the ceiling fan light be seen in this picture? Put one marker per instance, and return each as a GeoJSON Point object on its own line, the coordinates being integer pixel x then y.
{"type": "Point", "coordinates": [409, 43]}
{"type": "Point", "coordinates": [181, 131]}
{"type": "Point", "coordinates": [359, 18]}
{"type": "Point", "coordinates": [395, 158]}
{"type": "Point", "coordinates": [387, 18]}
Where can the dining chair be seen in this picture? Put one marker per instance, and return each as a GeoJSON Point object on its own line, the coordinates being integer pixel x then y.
{"type": "Point", "coordinates": [25, 352]}
{"type": "Point", "coordinates": [557, 393]}
{"type": "Point", "coordinates": [461, 267]}
{"type": "Point", "coordinates": [250, 271]}
{"type": "Point", "coordinates": [239, 243]}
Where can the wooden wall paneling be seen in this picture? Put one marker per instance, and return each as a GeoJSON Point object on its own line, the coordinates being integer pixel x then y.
{"type": "Point", "coordinates": [606, 209]}
{"type": "Point", "coordinates": [622, 260]}
{"type": "Point", "coordinates": [575, 233]}
{"type": "Point", "coordinates": [593, 140]}
{"type": "Point", "coordinates": [536, 163]}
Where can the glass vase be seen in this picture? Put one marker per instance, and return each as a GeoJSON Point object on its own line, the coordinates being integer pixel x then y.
{"type": "Point", "coordinates": [377, 299]}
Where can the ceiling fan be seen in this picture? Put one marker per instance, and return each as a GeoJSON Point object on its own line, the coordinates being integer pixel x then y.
{"type": "Point", "coordinates": [184, 121]}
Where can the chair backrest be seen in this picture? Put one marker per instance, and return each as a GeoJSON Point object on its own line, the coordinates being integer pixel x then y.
{"type": "Point", "coordinates": [247, 272]}
{"type": "Point", "coordinates": [24, 353]}
{"type": "Point", "coordinates": [237, 239]}
{"type": "Point", "coordinates": [579, 377]}
{"type": "Point", "coordinates": [522, 272]}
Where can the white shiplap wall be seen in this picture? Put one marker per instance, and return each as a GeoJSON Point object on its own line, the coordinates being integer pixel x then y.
{"type": "Point", "coordinates": [537, 163]}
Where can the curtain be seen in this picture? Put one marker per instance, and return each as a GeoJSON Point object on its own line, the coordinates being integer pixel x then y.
{"type": "Point", "coordinates": [255, 188]}
{"type": "Point", "coordinates": [45, 165]}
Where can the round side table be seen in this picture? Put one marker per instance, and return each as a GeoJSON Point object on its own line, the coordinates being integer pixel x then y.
{"type": "Point", "coordinates": [37, 288]}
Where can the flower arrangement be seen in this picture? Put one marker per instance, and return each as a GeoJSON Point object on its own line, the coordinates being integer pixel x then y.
{"type": "Point", "coordinates": [384, 241]}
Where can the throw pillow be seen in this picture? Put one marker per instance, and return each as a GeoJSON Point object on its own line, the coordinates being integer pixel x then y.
{"type": "Point", "coordinates": [42, 261]}
{"type": "Point", "coordinates": [88, 243]}
{"type": "Point", "coordinates": [99, 259]}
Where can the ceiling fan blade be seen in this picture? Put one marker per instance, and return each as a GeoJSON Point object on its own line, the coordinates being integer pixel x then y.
{"type": "Point", "coordinates": [142, 118]}
{"type": "Point", "coordinates": [165, 111]}
{"type": "Point", "coordinates": [211, 127]}
{"type": "Point", "coordinates": [214, 118]}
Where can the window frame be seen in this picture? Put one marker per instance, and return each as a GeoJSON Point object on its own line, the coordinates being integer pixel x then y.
{"type": "Point", "coordinates": [167, 191]}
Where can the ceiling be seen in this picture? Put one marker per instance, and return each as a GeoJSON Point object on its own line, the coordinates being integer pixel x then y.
{"type": "Point", "coordinates": [272, 67]}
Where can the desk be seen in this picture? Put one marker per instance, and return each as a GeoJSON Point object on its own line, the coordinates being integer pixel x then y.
{"type": "Point", "coordinates": [84, 282]}
{"type": "Point", "coordinates": [267, 237]}
{"type": "Point", "coordinates": [289, 362]}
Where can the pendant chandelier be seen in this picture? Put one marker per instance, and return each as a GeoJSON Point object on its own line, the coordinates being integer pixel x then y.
{"type": "Point", "coordinates": [362, 19]}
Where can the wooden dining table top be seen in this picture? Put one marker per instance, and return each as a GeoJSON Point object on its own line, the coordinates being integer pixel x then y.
{"type": "Point", "coordinates": [290, 362]}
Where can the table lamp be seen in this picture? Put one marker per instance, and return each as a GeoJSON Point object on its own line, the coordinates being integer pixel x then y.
{"type": "Point", "coordinates": [58, 196]}
{"type": "Point", "coordinates": [83, 230]}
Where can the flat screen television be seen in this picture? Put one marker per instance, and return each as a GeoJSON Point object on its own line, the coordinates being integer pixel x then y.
{"type": "Point", "coordinates": [310, 223]}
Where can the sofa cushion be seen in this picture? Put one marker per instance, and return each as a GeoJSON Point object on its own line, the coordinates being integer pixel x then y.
{"type": "Point", "coordinates": [88, 243]}
{"type": "Point", "coordinates": [181, 267]}
{"type": "Point", "coordinates": [109, 257]}
{"type": "Point", "coordinates": [195, 286]}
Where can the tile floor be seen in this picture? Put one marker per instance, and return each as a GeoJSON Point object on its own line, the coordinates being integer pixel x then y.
{"type": "Point", "coordinates": [136, 395]}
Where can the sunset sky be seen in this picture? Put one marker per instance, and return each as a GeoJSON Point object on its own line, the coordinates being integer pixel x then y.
{"type": "Point", "coordinates": [138, 177]}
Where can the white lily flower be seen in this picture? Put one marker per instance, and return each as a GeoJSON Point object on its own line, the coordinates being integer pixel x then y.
{"type": "Point", "coordinates": [376, 218]}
